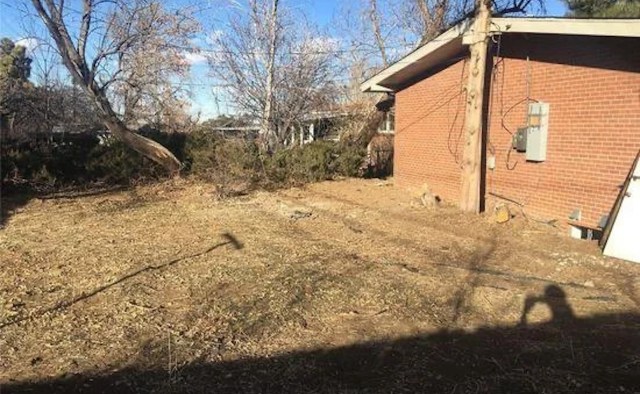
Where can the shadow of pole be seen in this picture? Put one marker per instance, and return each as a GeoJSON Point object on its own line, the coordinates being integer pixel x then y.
{"type": "Point", "coordinates": [437, 254]}
{"type": "Point", "coordinates": [230, 240]}
{"type": "Point", "coordinates": [468, 288]}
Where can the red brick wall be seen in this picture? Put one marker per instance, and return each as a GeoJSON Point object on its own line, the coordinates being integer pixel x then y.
{"type": "Point", "coordinates": [429, 120]}
{"type": "Point", "coordinates": [593, 88]}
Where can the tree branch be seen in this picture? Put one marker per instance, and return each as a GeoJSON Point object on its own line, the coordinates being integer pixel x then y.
{"type": "Point", "coordinates": [85, 27]}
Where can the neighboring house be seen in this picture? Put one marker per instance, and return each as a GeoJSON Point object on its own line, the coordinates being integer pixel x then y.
{"type": "Point", "coordinates": [379, 159]}
{"type": "Point", "coordinates": [562, 104]}
{"type": "Point", "coordinates": [248, 132]}
{"type": "Point", "coordinates": [320, 125]}
{"type": "Point", "coordinates": [388, 115]}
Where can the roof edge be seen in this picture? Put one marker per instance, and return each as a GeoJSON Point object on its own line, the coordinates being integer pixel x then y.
{"type": "Point", "coordinates": [505, 25]}
{"type": "Point", "coordinates": [568, 26]}
{"type": "Point", "coordinates": [457, 31]}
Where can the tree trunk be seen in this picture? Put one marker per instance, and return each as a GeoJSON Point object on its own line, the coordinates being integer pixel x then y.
{"type": "Point", "coordinates": [146, 147]}
{"type": "Point", "coordinates": [74, 60]}
{"type": "Point", "coordinates": [266, 126]}
{"type": "Point", "coordinates": [143, 145]}
{"type": "Point", "coordinates": [6, 125]}
{"type": "Point", "coordinates": [433, 19]}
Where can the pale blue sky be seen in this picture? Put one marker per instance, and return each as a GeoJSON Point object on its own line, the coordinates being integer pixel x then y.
{"type": "Point", "coordinates": [321, 12]}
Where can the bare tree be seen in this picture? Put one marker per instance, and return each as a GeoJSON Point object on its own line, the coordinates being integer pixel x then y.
{"type": "Point", "coordinates": [273, 31]}
{"type": "Point", "coordinates": [274, 68]}
{"type": "Point", "coordinates": [102, 40]}
{"type": "Point", "coordinates": [427, 18]}
{"type": "Point", "coordinates": [374, 18]}
{"type": "Point", "coordinates": [381, 31]}
{"type": "Point", "coordinates": [384, 30]}
{"type": "Point", "coordinates": [145, 89]}
{"type": "Point", "coordinates": [504, 7]}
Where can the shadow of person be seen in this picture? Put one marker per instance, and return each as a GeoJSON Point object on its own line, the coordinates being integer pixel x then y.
{"type": "Point", "coordinates": [556, 299]}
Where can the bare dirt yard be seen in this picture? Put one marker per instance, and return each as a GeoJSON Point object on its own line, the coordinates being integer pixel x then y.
{"type": "Point", "coordinates": [346, 286]}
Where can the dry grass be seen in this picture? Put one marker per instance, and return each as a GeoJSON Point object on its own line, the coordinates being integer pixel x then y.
{"type": "Point", "coordinates": [167, 276]}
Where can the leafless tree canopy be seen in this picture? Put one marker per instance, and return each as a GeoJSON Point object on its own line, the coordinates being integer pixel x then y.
{"type": "Point", "coordinates": [146, 82]}
{"type": "Point", "coordinates": [301, 75]}
{"type": "Point", "coordinates": [382, 31]}
{"type": "Point", "coordinates": [103, 46]}
{"type": "Point", "coordinates": [129, 59]}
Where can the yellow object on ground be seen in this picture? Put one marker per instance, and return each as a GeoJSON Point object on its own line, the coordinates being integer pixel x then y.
{"type": "Point", "coordinates": [502, 214]}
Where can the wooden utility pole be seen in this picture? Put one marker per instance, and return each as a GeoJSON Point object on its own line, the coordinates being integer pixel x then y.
{"type": "Point", "coordinates": [472, 156]}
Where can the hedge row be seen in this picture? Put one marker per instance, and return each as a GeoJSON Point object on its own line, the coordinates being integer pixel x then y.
{"type": "Point", "coordinates": [74, 160]}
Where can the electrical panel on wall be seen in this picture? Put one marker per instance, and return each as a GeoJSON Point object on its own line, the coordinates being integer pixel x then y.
{"type": "Point", "coordinates": [538, 127]}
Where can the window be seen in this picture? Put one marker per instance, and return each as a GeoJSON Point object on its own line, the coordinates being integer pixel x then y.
{"type": "Point", "coordinates": [388, 123]}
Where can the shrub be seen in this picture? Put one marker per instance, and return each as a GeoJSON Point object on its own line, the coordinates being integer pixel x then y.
{"type": "Point", "coordinates": [47, 162]}
{"type": "Point", "coordinates": [212, 157]}
{"type": "Point", "coordinates": [310, 163]}
{"type": "Point", "coordinates": [230, 163]}
{"type": "Point", "coordinates": [238, 158]}
{"type": "Point", "coordinates": [317, 161]}
{"type": "Point", "coordinates": [199, 153]}
{"type": "Point", "coordinates": [115, 163]}
{"type": "Point", "coordinates": [350, 160]}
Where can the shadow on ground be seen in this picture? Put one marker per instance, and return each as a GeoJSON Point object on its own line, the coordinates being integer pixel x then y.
{"type": "Point", "coordinates": [598, 354]}
{"type": "Point", "coordinates": [229, 239]}
{"type": "Point", "coordinates": [9, 204]}
{"type": "Point", "coordinates": [12, 199]}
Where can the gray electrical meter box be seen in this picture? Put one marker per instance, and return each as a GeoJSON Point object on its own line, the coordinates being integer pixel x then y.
{"type": "Point", "coordinates": [538, 127]}
{"type": "Point", "coordinates": [520, 139]}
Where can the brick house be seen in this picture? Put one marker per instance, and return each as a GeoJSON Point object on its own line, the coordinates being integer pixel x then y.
{"type": "Point", "coordinates": [571, 85]}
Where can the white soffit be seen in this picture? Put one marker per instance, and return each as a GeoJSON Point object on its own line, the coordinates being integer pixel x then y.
{"type": "Point", "coordinates": [577, 27]}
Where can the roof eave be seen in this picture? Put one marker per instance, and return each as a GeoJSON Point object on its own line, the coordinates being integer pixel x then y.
{"type": "Point", "coordinates": [559, 26]}
{"type": "Point", "coordinates": [376, 83]}
{"type": "Point", "coordinates": [374, 88]}
{"type": "Point", "coordinates": [565, 26]}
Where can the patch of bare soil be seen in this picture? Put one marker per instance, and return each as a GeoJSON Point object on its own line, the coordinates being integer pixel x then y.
{"type": "Point", "coordinates": [345, 286]}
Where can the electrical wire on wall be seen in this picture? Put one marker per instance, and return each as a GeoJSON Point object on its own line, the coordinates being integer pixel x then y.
{"type": "Point", "coordinates": [492, 83]}
{"type": "Point", "coordinates": [463, 89]}
{"type": "Point", "coordinates": [527, 99]}
{"type": "Point", "coordinates": [510, 147]}
{"type": "Point", "coordinates": [440, 103]}
{"type": "Point", "coordinates": [494, 71]}
{"type": "Point", "coordinates": [499, 71]}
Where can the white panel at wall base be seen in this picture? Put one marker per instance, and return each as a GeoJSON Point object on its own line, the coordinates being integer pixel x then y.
{"type": "Point", "coordinates": [624, 240]}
